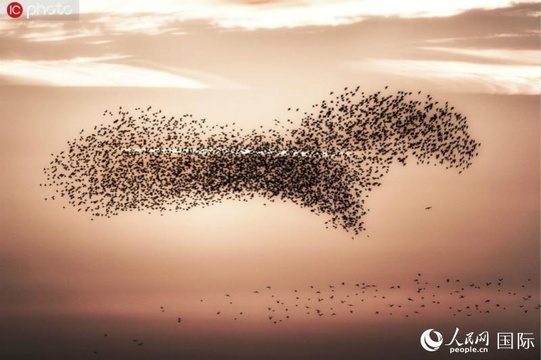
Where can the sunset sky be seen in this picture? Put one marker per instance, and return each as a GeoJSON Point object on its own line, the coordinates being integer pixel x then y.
{"type": "Point", "coordinates": [66, 280]}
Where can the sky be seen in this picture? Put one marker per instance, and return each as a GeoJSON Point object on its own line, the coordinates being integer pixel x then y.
{"type": "Point", "coordinates": [65, 280]}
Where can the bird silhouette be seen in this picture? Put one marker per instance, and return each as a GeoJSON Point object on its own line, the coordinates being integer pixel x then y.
{"type": "Point", "coordinates": [143, 160]}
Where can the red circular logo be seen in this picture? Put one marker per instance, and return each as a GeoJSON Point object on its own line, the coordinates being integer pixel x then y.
{"type": "Point", "coordinates": [14, 10]}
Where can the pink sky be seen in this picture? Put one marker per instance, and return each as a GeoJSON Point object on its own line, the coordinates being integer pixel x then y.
{"type": "Point", "coordinates": [247, 62]}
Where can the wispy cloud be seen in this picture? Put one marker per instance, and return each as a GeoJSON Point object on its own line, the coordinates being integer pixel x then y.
{"type": "Point", "coordinates": [153, 18]}
{"type": "Point", "coordinates": [475, 69]}
{"type": "Point", "coordinates": [483, 37]}
{"type": "Point", "coordinates": [118, 17]}
{"type": "Point", "coordinates": [91, 26]}
{"type": "Point", "coordinates": [458, 76]}
{"type": "Point", "coordinates": [524, 57]}
{"type": "Point", "coordinates": [94, 72]}
{"type": "Point", "coordinates": [56, 35]}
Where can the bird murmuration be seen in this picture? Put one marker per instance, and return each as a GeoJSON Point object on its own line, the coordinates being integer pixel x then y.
{"type": "Point", "coordinates": [146, 160]}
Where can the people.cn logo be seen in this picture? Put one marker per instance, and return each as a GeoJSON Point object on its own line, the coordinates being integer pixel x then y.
{"type": "Point", "coordinates": [14, 10]}
{"type": "Point", "coordinates": [428, 343]}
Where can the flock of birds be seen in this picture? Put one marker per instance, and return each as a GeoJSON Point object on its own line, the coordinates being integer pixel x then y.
{"type": "Point", "coordinates": [329, 163]}
{"type": "Point", "coordinates": [345, 298]}
{"type": "Point", "coordinates": [357, 301]}
{"type": "Point", "coordinates": [342, 148]}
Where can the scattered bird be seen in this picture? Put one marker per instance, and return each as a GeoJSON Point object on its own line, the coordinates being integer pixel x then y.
{"type": "Point", "coordinates": [322, 302]}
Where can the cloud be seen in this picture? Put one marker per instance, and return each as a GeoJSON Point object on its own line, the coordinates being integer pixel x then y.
{"type": "Point", "coordinates": [482, 37]}
{"type": "Point", "coordinates": [465, 69]}
{"type": "Point", "coordinates": [524, 57]}
{"type": "Point", "coordinates": [288, 14]}
{"type": "Point", "coordinates": [91, 26]}
{"type": "Point", "coordinates": [116, 17]}
{"type": "Point", "coordinates": [458, 76]}
{"type": "Point", "coordinates": [54, 35]}
{"type": "Point", "coordinates": [93, 72]}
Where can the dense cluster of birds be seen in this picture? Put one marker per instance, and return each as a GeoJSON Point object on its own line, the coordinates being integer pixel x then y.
{"type": "Point", "coordinates": [329, 163]}
{"type": "Point", "coordinates": [411, 299]}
